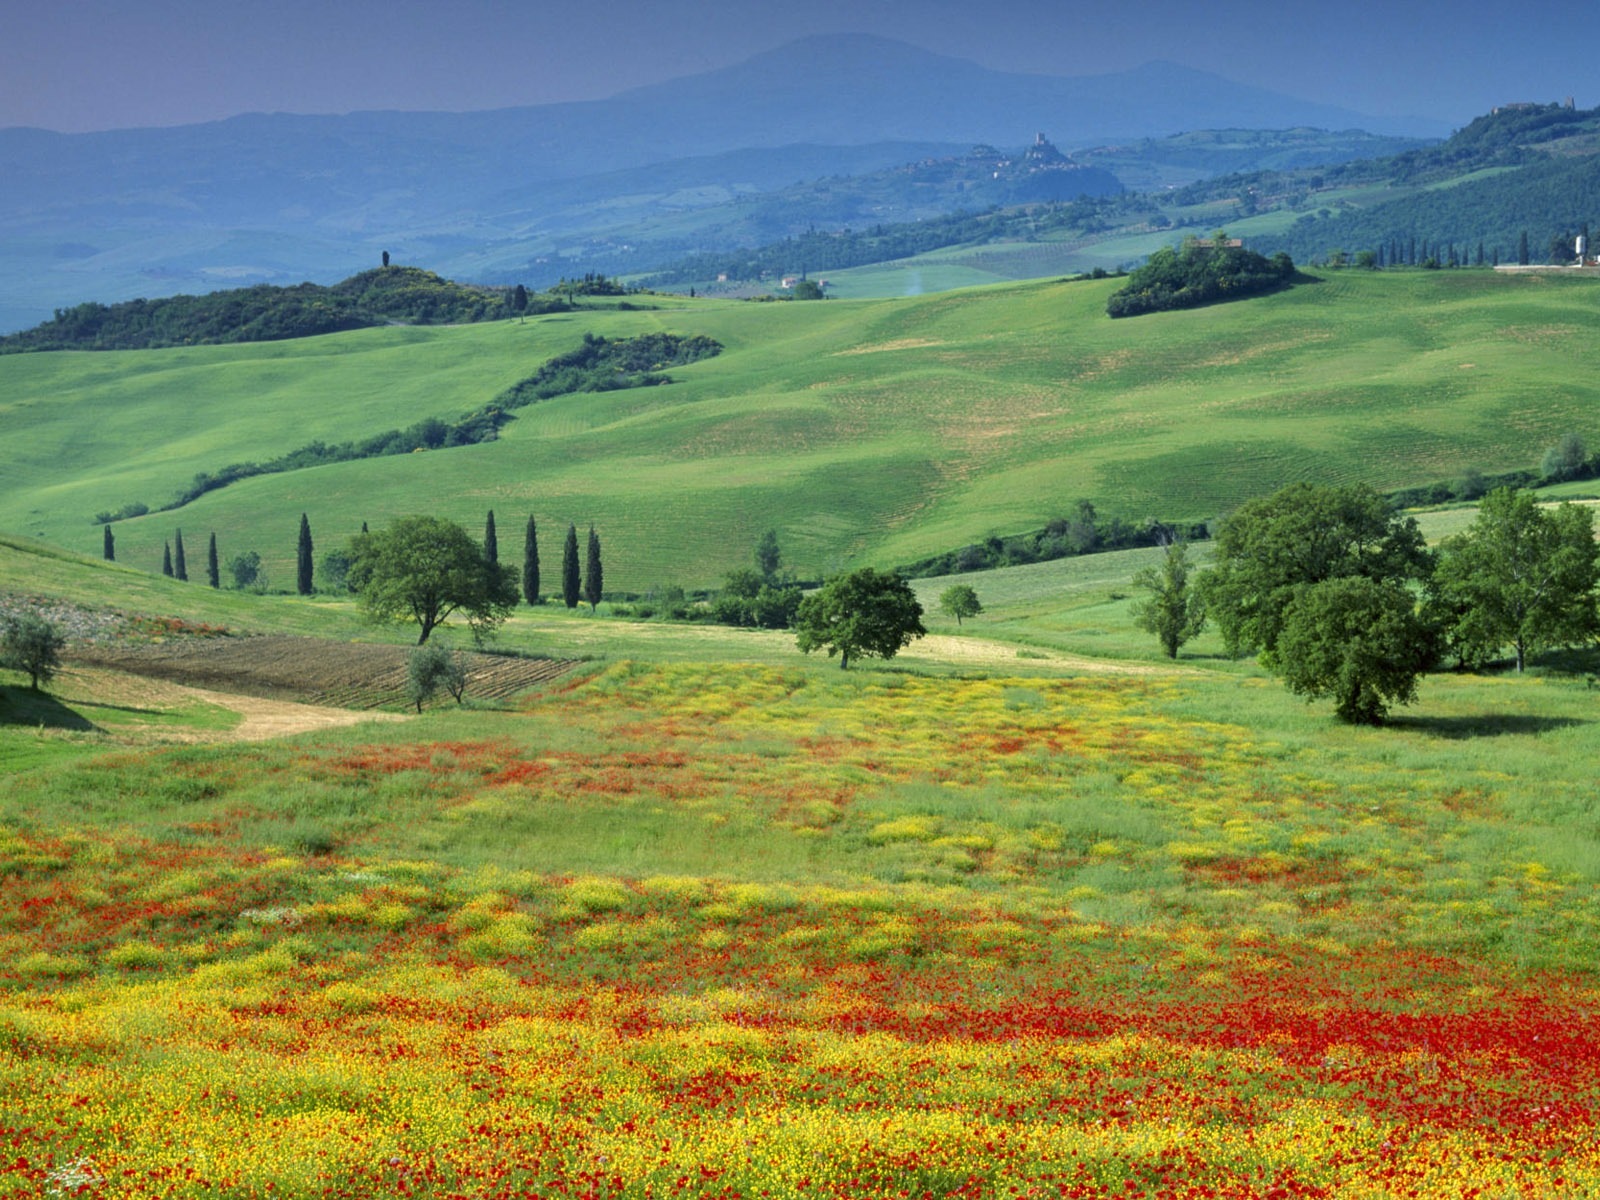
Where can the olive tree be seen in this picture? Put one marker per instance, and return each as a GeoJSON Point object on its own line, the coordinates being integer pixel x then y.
{"type": "Point", "coordinates": [431, 667]}
{"type": "Point", "coordinates": [426, 569]}
{"type": "Point", "coordinates": [33, 645]}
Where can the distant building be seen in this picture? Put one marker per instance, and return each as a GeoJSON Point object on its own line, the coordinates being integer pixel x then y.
{"type": "Point", "coordinates": [789, 281]}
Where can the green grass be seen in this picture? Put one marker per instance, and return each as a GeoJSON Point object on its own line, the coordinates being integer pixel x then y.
{"type": "Point", "coordinates": [862, 430]}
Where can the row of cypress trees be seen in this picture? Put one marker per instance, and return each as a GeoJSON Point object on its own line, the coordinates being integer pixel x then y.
{"type": "Point", "coordinates": [173, 565]}
{"type": "Point", "coordinates": [587, 584]}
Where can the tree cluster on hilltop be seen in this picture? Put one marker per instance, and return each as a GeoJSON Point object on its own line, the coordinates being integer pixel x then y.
{"type": "Point", "coordinates": [1199, 273]}
{"type": "Point", "coordinates": [265, 313]}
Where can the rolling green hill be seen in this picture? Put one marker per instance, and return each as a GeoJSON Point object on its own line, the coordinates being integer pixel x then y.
{"type": "Point", "coordinates": [872, 431]}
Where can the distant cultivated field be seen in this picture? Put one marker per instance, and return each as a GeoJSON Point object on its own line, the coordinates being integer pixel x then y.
{"type": "Point", "coordinates": [862, 431]}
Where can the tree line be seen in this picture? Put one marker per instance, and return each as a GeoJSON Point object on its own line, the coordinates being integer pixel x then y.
{"type": "Point", "coordinates": [599, 364]}
{"type": "Point", "coordinates": [1340, 596]}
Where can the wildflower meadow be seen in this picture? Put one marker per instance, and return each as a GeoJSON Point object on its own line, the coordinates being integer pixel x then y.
{"type": "Point", "coordinates": [696, 929]}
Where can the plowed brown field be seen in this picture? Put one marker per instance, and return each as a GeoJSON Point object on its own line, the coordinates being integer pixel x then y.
{"type": "Point", "coordinates": [309, 670]}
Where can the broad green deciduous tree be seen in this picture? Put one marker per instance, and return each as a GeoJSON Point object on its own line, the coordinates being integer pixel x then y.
{"type": "Point", "coordinates": [1173, 611]}
{"type": "Point", "coordinates": [1519, 576]}
{"type": "Point", "coordinates": [426, 569]}
{"type": "Point", "coordinates": [860, 615]}
{"type": "Point", "coordinates": [1305, 534]}
{"type": "Point", "coordinates": [1356, 641]}
{"type": "Point", "coordinates": [960, 601]}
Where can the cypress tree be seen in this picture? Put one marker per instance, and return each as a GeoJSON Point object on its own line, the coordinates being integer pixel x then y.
{"type": "Point", "coordinates": [491, 544]}
{"type": "Point", "coordinates": [166, 559]}
{"type": "Point", "coordinates": [530, 564]}
{"type": "Point", "coordinates": [363, 527]}
{"type": "Point", "coordinates": [1522, 249]}
{"type": "Point", "coordinates": [303, 562]}
{"type": "Point", "coordinates": [213, 573]}
{"type": "Point", "coordinates": [180, 565]}
{"type": "Point", "coordinates": [569, 568]}
{"type": "Point", "coordinates": [593, 577]}
{"type": "Point", "coordinates": [110, 550]}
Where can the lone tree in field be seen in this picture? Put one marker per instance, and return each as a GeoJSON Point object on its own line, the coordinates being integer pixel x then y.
{"type": "Point", "coordinates": [959, 601]}
{"type": "Point", "coordinates": [246, 570]}
{"type": "Point", "coordinates": [426, 569]}
{"type": "Point", "coordinates": [109, 547]}
{"type": "Point", "coordinates": [180, 565]}
{"type": "Point", "coordinates": [593, 573]}
{"type": "Point", "coordinates": [213, 570]}
{"type": "Point", "coordinates": [1520, 576]}
{"type": "Point", "coordinates": [530, 563]}
{"type": "Point", "coordinates": [569, 568]}
{"type": "Point", "coordinates": [859, 615]}
{"type": "Point", "coordinates": [1173, 611]}
{"type": "Point", "coordinates": [431, 667]}
{"type": "Point", "coordinates": [519, 301]}
{"type": "Point", "coordinates": [166, 559]}
{"type": "Point", "coordinates": [31, 644]}
{"type": "Point", "coordinates": [304, 562]}
{"type": "Point", "coordinates": [491, 543]}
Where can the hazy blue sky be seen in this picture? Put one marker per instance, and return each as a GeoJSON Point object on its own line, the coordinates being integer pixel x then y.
{"type": "Point", "coordinates": [98, 64]}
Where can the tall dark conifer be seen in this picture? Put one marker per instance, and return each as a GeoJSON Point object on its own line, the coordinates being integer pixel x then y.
{"type": "Point", "coordinates": [110, 548]}
{"type": "Point", "coordinates": [303, 559]}
{"type": "Point", "coordinates": [213, 571]}
{"type": "Point", "coordinates": [593, 576]}
{"type": "Point", "coordinates": [530, 564]}
{"type": "Point", "coordinates": [180, 565]}
{"type": "Point", "coordinates": [491, 544]}
{"type": "Point", "coordinates": [166, 559]}
{"type": "Point", "coordinates": [569, 568]}
{"type": "Point", "coordinates": [1522, 249]}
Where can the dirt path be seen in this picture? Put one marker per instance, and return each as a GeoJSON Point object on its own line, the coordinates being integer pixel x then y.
{"type": "Point", "coordinates": [950, 648]}
{"type": "Point", "coordinates": [142, 709]}
{"type": "Point", "coordinates": [265, 719]}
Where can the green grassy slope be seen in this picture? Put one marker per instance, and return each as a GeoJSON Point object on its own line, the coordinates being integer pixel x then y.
{"type": "Point", "coordinates": [862, 430]}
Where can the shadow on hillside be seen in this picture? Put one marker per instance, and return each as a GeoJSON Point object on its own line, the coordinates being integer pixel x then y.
{"type": "Point", "coordinates": [23, 706]}
{"type": "Point", "coordinates": [1487, 725]}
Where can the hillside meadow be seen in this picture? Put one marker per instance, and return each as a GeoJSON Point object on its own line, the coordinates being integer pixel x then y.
{"type": "Point", "coordinates": [872, 430]}
{"type": "Point", "coordinates": [1027, 911]}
